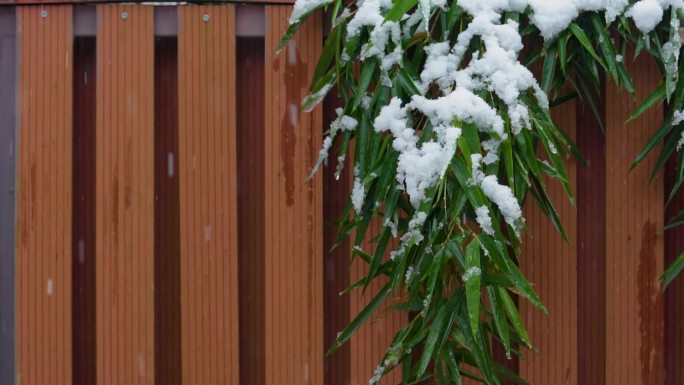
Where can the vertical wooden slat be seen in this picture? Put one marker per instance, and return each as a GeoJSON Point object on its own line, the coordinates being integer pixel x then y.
{"type": "Point", "coordinates": [250, 163]}
{"type": "Point", "coordinates": [125, 195]}
{"type": "Point", "coordinates": [83, 243]}
{"type": "Point", "coordinates": [44, 214]}
{"type": "Point", "coordinates": [208, 195]}
{"type": "Point", "coordinates": [167, 214]}
{"type": "Point", "coordinates": [294, 284]}
{"type": "Point", "coordinates": [674, 294]}
{"type": "Point", "coordinates": [550, 264]}
{"type": "Point", "coordinates": [591, 245]}
{"type": "Point", "coordinates": [634, 238]}
{"type": "Point", "coordinates": [8, 110]}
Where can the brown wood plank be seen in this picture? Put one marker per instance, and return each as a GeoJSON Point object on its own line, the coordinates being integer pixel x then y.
{"type": "Point", "coordinates": [208, 195]}
{"type": "Point", "coordinates": [250, 163]}
{"type": "Point", "coordinates": [550, 264]}
{"type": "Point", "coordinates": [125, 195]}
{"type": "Point", "coordinates": [44, 199]}
{"type": "Point", "coordinates": [83, 246]}
{"type": "Point", "coordinates": [634, 237]}
{"type": "Point", "coordinates": [294, 268]}
{"type": "Point", "coordinates": [591, 245]}
{"type": "Point", "coordinates": [674, 294]}
{"type": "Point", "coordinates": [167, 214]}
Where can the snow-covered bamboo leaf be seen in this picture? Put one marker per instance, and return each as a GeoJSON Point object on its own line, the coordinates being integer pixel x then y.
{"type": "Point", "coordinates": [320, 90]}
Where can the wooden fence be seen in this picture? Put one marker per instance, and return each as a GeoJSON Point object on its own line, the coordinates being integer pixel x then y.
{"type": "Point", "coordinates": [155, 160]}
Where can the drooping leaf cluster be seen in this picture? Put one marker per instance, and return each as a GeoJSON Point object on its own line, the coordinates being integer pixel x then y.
{"type": "Point", "coordinates": [458, 281]}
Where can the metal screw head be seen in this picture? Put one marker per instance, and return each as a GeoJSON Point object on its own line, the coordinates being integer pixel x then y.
{"type": "Point", "coordinates": [43, 13]}
{"type": "Point", "coordinates": [124, 15]}
{"type": "Point", "coordinates": [205, 18]}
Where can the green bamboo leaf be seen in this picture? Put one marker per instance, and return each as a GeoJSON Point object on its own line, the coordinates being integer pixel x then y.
{"type": "Point", "coordinates": [471, 278]}
{"type": "Point", "coordinates": [652, 142]}
{"type": "Point", "coordinates": [320, 90]}
{"type": "Point", "coordinates": [292, 29]}
{"type": "Point", "coordinates": [327, 55]}
{"type": "Point", "coordinates": [605, 45]}
{"type": "Point", "coordinates": [584, 41]}
{"type": "Point", "coordinates": [549, 70]}
{"type": "Point", "coordinates": [500, 257]}
{"type": "Point", "coordinates": [673, 270]}
{"type": "Point", "coordinates": [499, 315]}
{"type": "Point", "coordinates": [452, 365]}
{"type": "Point", "coordinates": [368, 71]}
{"type": "Point", "coordinates": [563, 52]}
{"type": "Point", "coordinates": [675, 221]}
{"type": "Point", "coordinates": [513, 315]}
{"type": "Point", "coordinates": [477, 347]}
{"type": "Point", "coordinates": [439, 330]}
{"type": "Point", "coordinates": [349, 330]}
{"type": "Point", "coordinates": [399, 9]}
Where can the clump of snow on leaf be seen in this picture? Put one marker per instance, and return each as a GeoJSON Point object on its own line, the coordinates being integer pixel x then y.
{"type": "Point", "coordinates": [646, 14]}
{"type": "Point", "coordinates": [484, 220]}
{"type": "Point", "coordinates": [304, 7]}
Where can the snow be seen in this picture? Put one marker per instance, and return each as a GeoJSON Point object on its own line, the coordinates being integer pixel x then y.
{"type": "Point", "coordinates": [471, 272]}
{"type": "Point", "coordinates": [501, 195]}
{"type": "Point", "coordinates": [303, 7]}
{"type": "Point", "coordinates": [358, 195]}
{"type": "Point", "coordinates": [411, 273]}
{"type": "Point", "coordinates": [484, 220]}
{"type": "Point", "coordinates": [678, 118]}
{"type": "Point", "coordinates": [319, 95]}
{"type": "Point", "coordinates": [646, 14]}
{"type": "Point", "coordinates": [340, 124]}
{"type": "Point", "coordinates": [504, 199]}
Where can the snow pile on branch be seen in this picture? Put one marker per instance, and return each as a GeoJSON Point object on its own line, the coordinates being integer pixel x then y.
{"type": "Point", "coordinates": [465, 90]}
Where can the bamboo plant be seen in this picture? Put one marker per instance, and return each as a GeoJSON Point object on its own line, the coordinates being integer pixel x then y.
{"type": "Point", "coordinates": [453, 134]}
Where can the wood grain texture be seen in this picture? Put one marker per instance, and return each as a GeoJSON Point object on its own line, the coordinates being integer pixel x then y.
{"type": "Point", "coordinates": [294, 264]}
{"type": "Point", "coordinates": [125, 195]}
{"type": "Point", "coordinates": [674, 294]}
{"type": "Point", "coordinates": [83, 242]}
{"type": "Point", "coordinates": [250, 161]}
{"type": "Point", "coordinates": [208, 195]}
{"type": "Point", "coordinates": [634, 238]}
{"type": "Point", "coordinates": [591, 245]}
{"type": "Point", "coordinates": [550, 264]}
{"type": "Point", "coordinates": [44, 200]}
{"type": "Point", "coordinates": [167, 274]}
